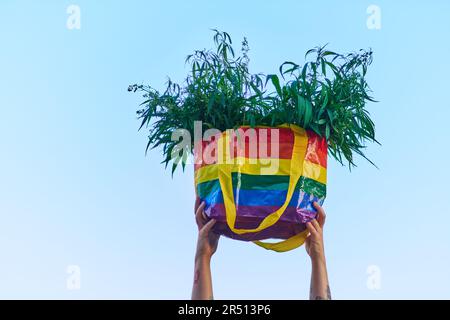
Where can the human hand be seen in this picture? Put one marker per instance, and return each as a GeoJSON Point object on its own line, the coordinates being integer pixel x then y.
{"type": "Point", "coordinates": [314, 242]}
{"type": "Point", "coordinates": [207, 240]}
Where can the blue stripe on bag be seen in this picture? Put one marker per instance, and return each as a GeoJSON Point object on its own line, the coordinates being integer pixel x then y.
{"type": "Point", "coordinates": [300, 199]}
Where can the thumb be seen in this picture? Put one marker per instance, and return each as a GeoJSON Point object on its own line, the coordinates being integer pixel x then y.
{"type": "Point", "coordinates": [208, 226]}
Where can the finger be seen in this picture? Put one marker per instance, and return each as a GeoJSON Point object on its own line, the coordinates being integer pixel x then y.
{"type": "Point", "coordinates": [197, 204]}
{"type": "Point", "coordinates": [307, 241]}
{"type": "Point", "coordinates": [208, 226]}
{"type": "Point", "coordinates": [311, 228]}
{"type": "Point", "coordinates": [199, 214]}
{"type": "Point", "coordinates": [321, 218]}
{"type": "Point", "coordinates": [321, 214]}
{"type": "Point", "coordinates": [316, 225]}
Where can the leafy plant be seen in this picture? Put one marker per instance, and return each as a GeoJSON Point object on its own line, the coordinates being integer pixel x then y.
{"type": "Point", "coordinates": [327, 94]}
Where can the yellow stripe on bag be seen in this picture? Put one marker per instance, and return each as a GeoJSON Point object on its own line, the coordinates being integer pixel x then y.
{"type": "Point", "coordinates": [310, 170]}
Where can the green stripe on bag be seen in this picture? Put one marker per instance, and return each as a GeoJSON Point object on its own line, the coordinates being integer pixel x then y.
{"type": "Point", "coordinates": [264, 182]}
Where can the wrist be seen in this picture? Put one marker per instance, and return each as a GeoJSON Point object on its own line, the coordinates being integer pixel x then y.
{"type": "Point", "coordinates": [202, 258]}
{"type": "Point", "coordinates": [318, 258]}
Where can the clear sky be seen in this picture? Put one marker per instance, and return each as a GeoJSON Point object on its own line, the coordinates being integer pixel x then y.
{"type": "Point", "coordinates": [77, 190]}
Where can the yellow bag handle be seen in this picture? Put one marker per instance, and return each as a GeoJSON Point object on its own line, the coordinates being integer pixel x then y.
{"type": "Point", "coordinates": [285, 245]}
{"type": "Point", "coordinates": [226, 185]}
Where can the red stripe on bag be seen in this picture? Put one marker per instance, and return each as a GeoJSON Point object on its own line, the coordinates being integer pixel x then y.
{"type": "Point", "coordinates": [262, 149]}
{"type": "Point", "coordinates": [317, 149]}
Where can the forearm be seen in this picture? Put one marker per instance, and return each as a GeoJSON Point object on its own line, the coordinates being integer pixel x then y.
{"type": "Point", "coordinates": [202, 288]}
{"type": "Point", "coordinates": [320, 289]}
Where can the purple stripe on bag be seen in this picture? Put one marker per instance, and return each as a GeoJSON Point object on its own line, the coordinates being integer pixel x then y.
{"type": "Point", "coordinates": [291, 222]}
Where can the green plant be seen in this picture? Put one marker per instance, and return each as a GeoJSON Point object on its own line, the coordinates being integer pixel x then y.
{"type": "Point", "coordinates": [327, 94]}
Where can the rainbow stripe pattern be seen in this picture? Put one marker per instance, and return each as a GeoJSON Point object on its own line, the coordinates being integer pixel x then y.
{"type": "Point", "coordinates": [252, 203]}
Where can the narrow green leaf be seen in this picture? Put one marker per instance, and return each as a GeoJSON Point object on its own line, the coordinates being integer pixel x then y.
{"type": "Point", "coordinates": [308, 114]}
{"type": "Point", "coordinates": [301, 107]}
{"type": "Point", "coordinates": [305, 69]}
{"type": "Point", "coordinates": [276, 82]}
{"type": "Point", "coordinates": [324, 66]}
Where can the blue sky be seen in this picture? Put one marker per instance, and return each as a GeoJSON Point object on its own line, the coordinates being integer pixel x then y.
{"type": "Point", "coordinates": [76, 188]}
